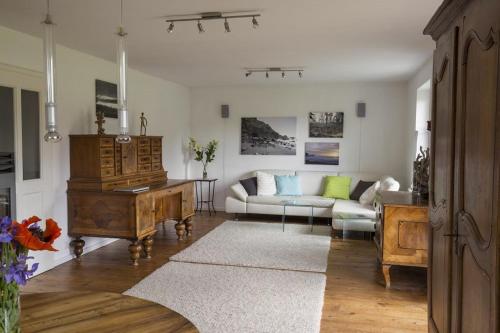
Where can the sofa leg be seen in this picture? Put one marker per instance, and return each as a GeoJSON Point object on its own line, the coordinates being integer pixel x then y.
{"type": "Point", "coordinates": [236, 216]}
{"type": "Point", "coordinates": [338, 234]}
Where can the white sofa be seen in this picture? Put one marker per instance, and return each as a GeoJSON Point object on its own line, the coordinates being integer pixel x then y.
{"type": "Point", "coordinates": [345, 214]}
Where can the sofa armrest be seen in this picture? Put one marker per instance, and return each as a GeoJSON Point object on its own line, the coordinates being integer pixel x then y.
{"type": "Point", "coordinates": [239, 191]}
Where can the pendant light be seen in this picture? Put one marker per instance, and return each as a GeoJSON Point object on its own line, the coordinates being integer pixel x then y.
{"type": "Point", "coordinates": [50, 89]}
{"type": "Point", "coordinates": [123, 137]}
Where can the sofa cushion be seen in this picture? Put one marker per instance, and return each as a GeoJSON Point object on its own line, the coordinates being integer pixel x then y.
{"type": "Point", "coordinates": [288, 185]}
{"type": "Point", "coordinates": [250, 185]}
{"type": "Point", "coordinates": [389, 184]}
{"type": "Point", "coordinates": [360, 188]}
{"type": "Point", "coordinates": [266, 185]}
{"type": "Point", "coordinates": [350, 209]}
{"type": "Point", "coordinates": [357, 176]}
{"type": "Point", "coordinates": [315, 200]}
{"type": "Point", "coordinates": [368, 196]}
{"type": "Point", "coordinates": [312, 182]}
{"type": "Point", "coordinates": [337, 187]}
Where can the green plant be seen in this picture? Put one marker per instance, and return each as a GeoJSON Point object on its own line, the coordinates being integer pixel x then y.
{"type": "Point", "coordinates": [206, 154]}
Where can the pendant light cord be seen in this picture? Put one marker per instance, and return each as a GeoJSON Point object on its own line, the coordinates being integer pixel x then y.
{"type": "Point", "coordinates": [121, 13]}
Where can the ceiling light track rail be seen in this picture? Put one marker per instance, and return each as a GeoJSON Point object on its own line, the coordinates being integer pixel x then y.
{"type": "Point", "coordinates": [282, 70]}
{"type": "Point", "coordinates": [208, 16]}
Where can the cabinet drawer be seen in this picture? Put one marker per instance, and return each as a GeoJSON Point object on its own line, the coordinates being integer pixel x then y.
{"type": "Point", "coordinates": [144, 150]}
{"type": "Point", "coordinates": [156, 166]}
{"type": "Point", "coordinates": [146, 159]}
{"type": "Point", "coordinates": [156, 142]}
{"type": "Point", "coordinates": [112, 185]}
{"type": "Point", "coordinates": [156, 159]}
{"type": "Point", "coordinates": [144, 167]}
{"type": "Point", "coordinates": [107, 162]}
{"type": "Point", "coordinates": [139, 181]}
{"type": "Point", "coordinates": [107, 152]}
{"type": "Point", "coordinates": [106, 142]}
{"type": "Point", "coordinates": [107, 172]}
{"type": "Point", "coordinates": [144, 142]}
{"type": "Point", "coordinates": [156, 150]}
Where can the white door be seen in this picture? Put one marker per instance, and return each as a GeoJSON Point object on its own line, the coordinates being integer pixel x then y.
{"type": "Point", "coordinates": [32, 153]}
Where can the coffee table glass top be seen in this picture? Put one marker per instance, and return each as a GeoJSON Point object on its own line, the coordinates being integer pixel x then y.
{"type": "Point", "coordinates": [297, 203]}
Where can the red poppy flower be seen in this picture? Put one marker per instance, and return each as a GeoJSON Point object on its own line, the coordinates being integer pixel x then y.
{"type": "Point", "coordinates": [35, 238]}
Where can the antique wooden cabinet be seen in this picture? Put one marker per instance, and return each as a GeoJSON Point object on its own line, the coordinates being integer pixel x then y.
{"type": "Point", "coordinates": [401, 233]}
{"type": "Point", "coordinates": [104, 199]}
{"type": "Point", "coordinates": [463, 275]}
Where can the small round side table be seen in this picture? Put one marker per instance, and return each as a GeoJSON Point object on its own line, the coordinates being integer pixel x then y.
{"type": "Point", "coordinates": [199, 196]}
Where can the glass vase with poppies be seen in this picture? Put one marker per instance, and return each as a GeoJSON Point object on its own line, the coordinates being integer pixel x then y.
{"type": "Point", "coordinates": [16, 239]}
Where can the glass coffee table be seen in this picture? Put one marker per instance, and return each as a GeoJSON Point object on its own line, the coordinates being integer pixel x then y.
{"type": "Point", "coordinates": [297, 203]}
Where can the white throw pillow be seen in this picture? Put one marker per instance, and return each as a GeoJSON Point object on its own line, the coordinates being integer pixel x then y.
{"type": "Point", "coordinates": [240, 192]}
{"type": "Point", "coordinates": [369, 195]}
{"type": "Point", "coordinates": [389, 184]}
{"type": "Point", "coordinates": [266, 184]}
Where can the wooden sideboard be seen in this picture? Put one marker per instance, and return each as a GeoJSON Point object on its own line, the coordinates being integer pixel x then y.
{"type": "Point", "coordinates": [101, 200]}
{"type": "Point", "coordinates": [401, 233]}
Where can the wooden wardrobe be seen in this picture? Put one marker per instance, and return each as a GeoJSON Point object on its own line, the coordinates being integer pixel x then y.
{"type": "Point", "coordinates": [464, 258]}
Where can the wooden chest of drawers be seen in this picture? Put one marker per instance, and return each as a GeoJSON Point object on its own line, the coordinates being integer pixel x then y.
{"type": "Point", "coordinates": [401, 234]}
{"type": "Point", "coordinates": [97, 162]}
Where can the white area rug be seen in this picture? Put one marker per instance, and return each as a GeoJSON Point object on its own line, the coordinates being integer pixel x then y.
{"type": "Point", "coordinates": [262, 245]}
{"type": "Point", "coordinates": [219, 299]}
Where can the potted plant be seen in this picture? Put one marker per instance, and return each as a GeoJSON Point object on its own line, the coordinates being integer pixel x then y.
{"type": "Point", "coordinates": [205, 154]}
{"type": "Point", "coordinates": [16, 239]}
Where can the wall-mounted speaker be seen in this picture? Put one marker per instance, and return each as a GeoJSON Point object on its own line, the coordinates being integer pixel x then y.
{"type": "Point", "coordinates": [361, 110]}
{"type": "Point", "coordinates": [224, 111]}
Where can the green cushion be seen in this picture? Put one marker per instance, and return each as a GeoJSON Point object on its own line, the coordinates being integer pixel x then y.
{"type": "Point", "coordinates": [337, 187]}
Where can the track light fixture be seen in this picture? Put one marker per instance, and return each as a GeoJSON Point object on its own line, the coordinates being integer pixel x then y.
{"type": "Point", "coordinates": [210, 16]}
{"type": "Point", "coordinates": [200, 27]}
{"type": "Point", "coordinates": [255, 24]}
{"type": "Point", "coordinates": [170, 28]}
{"type": "Point", "coordinates": [267, 70]}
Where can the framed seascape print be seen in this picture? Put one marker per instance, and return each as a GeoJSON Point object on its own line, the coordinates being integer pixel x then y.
{"type": "Point", "coordinates": [326, 124]}
{"type": "Point", "coordinates": [323, 153]}
{"type": "Point", "coordinates": [268, 136]}
{"type": "Point", "coordinates": [106, 98]}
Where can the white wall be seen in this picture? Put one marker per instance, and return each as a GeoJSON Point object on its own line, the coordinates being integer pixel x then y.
{"type": "Point", "coordinates": [423, 75]}
{"type": "Point", "coordinates": [381, 147]}
{"type": "Point", "coordinates": [166, 105]}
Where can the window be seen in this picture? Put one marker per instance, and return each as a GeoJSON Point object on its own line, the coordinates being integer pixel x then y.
{"type": "Point", "coordinates": [423, 115]}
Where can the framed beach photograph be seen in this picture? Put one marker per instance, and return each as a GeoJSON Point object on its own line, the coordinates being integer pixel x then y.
{"type": "Point", "coordinates": [326, 124]}
{"type": "Point", "coordinates": [268, 136]}
{"type": "Point", "coordinates": [106, 98]}
{"type": "Point", "coordinates": [322, 153]}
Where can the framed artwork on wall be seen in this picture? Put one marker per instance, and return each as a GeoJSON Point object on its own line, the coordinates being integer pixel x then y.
{"type": "Point", "coordinates": [326, 124]}
{"type": "Point", "coordinates": [322, 153]}
{"type": "Point", "coordinates": [268, 136]}
{"type": "Point", "coordinates": [106, 98]}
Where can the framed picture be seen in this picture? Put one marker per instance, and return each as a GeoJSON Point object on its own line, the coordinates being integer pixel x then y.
{"type": "Point", "coordinates": [268, 136]}
{"type": "Point", "coordinates": [323, 153]}
{"type": "Point", "coordinates": [326, 124]}
{"type": "Point", "coordinates": [106, 98]}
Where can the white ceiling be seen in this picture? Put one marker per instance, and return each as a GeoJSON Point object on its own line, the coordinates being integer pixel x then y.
{"type": "Point", "coordinates": [335, 40]}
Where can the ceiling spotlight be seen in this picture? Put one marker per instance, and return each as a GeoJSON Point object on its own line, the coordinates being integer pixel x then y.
{"type": "Point", "coordinates": [226, 26]}
{"type": "Point", "coordinates": [247, 74]}
{"type": "Point", "coordinates": [267, 75]}
{"type": "Point", "coordinates": [300, 74]}
{"type": "Point", "coordinates": [170, 27]}
{"type": "Point", "coordinates": [255, 23]}
{"type": "Point", "coordinates": [200, 28]}
{"type": "Point", "coordinates": [282, 75]}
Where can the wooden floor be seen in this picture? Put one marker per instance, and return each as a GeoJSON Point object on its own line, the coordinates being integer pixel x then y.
{"type": "Point", "coordinates": [355, 300]}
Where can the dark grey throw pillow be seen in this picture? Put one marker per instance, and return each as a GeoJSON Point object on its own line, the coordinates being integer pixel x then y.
{"type": "Point", "coordinates": [250, 185]}
{"type": "Point", "coordinates": [360, 188]}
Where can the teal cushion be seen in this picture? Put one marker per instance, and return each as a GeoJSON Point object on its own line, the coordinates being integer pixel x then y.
{"type": "Point", "coordinates": [288, 185]}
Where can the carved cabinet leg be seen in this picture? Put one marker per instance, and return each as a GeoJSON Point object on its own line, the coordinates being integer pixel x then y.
{"type": "Point", "coordinates": [147, 245]}
{"type": "Point", "coordinates": [78, 243]}
{"type": "Point", "coordinates": [189, 226]}
{"type": "Point", "coordinates": [180, 228]}
{"type": "Point", "coordinates": [135, 251]}
{"type": "Point", "coordinates": [387, 275]}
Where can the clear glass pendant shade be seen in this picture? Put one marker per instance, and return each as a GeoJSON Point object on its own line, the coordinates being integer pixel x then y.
{"type": "Point", "coordinates": [123, 137]}
{"type": "Point", "coordinates": [50, 99]}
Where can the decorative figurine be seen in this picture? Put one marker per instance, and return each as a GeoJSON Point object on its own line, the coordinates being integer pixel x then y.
{"type": "Point", "coordinates": [100, 121]}
{"type": "Point", "coordinates": [144, 124]}
{"type": "Point", "coordinates": [421, 173]}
